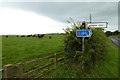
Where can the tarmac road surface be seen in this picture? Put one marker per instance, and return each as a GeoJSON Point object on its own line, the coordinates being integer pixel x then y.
{"type": "Point", "coordinates": [116, 41]}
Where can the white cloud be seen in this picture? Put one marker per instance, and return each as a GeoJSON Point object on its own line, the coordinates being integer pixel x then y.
{"type": "Point", "coordinates": [22, 22]}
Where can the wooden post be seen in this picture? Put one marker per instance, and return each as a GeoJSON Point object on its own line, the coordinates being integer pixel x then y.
{"type": "Point", "coordinates": [8, 71]}
{"type": "Point", "coordinates": [55, 60]}
{"type": "Point", "coordinates": [19, 70]}
{"type": "Point", "coordinates": [83, 43]}
{"type": "Point", "coordinates": [83, 38]}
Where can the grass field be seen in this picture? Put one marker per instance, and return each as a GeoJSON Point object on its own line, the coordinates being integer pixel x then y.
{"type": "Point", "coordinates": [22, 49]}
{"type": "Point", "coordinates": [106, 69]}
{"type": "Point", "coordinates": [18, 49]}
{"type": "Point", "coordinates": [0, 56]}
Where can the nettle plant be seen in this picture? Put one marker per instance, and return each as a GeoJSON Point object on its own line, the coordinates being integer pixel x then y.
{"type": "Point", "coordinates": [95, 46]}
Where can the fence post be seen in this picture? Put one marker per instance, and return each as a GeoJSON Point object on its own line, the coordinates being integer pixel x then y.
{"type": "Point", "coordinates": [55, 60]}
{"type": "Point", "coordinates": [8, 71]}
{"type": "Point", "coordinates": [19, 70]}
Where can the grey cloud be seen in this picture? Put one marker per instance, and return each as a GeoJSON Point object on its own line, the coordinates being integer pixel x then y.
{"type": "Point", "coordinates": [61, 11]}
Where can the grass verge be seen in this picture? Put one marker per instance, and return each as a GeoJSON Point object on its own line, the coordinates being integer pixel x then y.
{"type": "Point", "coordinates": [105, 69]}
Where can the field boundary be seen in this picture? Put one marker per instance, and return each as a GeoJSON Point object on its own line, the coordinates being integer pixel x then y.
{"type": "Point", "coordinates": [17, 70]}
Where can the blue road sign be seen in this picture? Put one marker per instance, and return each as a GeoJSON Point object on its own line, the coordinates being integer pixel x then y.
{"type": "Point", "coordinates": [83, 33]}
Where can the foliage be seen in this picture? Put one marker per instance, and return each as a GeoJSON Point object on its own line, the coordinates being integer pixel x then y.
{"type": "Point", "coordinates": [109, 33]}
{"type": "Point", "coordinates": [95, 47]}
{"type": "Point", "coordinates": [72, 43]}
{"type": "Point", "coordinates": [106, 69]}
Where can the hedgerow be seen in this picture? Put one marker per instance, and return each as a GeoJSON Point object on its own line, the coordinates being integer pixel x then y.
{"type": "Point", "coordinates": [95, 47]}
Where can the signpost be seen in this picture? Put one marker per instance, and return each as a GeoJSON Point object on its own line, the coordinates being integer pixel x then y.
{"type": "Point", "coordinates": [87, 33]}
{"type": "Point", "coordinates": [97, 25]}
{"type": "Point", "coordinates": [83, 33]}
{"type": "Point", "coordinates": [88, 25]}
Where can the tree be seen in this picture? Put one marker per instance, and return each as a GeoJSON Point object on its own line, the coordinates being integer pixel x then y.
{"type": "Point", "coordinates": [108, 33]}
{"type": "Point", "coordinates": [116, 32]}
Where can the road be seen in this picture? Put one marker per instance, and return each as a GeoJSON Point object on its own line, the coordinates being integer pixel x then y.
{"type": "Point", "coordinates": [116, 41]}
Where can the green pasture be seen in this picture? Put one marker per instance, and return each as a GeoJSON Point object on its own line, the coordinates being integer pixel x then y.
{"type": "Point", "coordinates": [22, 49]}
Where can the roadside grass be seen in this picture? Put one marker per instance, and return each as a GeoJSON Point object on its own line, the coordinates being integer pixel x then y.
{"type": "Point", "coordinates": [109, 67]}
{"type": "Point", "coordinates": [105, 69]}
{"type": "Point", "coordinates": [115, 36]}
{"type": "Point", "coordinates": [22, 49]}
{"type": "Point", "coordinates": [119, 59]}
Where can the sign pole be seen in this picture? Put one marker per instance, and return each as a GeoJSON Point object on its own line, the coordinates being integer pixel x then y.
{"type": "Point", "coordinates": [83, 43]}
{"type": "Point", "coordinates": [83, 38]}
{"type": "Point", "coordinates": [83, 34]}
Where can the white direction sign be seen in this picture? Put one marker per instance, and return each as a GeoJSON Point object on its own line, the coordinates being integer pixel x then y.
{"type": "Point", "coordinates": [97, 25]}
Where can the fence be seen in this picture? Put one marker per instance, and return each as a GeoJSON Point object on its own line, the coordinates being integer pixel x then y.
{"type": "Point", "coordinates": [34, 68]}
{"type": "Point", "coordinates": [1, 73]}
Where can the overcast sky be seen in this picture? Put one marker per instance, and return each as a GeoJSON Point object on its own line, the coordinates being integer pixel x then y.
{"type": "Point", "coordinates": [55, 14]}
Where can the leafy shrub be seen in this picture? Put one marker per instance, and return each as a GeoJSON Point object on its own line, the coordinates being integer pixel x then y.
{"type": "Point", "coordinates": [95, 48]}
